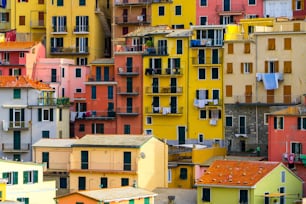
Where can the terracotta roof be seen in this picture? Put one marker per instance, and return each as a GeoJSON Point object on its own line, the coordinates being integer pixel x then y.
{"type": "Point", "coordinates": [22, 82]}
{"type": "Point", "coordinates": [236, 173]}
{"type": "Point", "coordinates": [103, 61]}
{"type": "Point", "coordinates": [16, 45]}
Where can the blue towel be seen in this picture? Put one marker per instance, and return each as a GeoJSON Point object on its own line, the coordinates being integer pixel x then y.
{"type": "Point", "coordinates": [270, 81]}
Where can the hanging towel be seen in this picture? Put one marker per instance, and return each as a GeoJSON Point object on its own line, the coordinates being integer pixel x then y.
{"type": "Point", "coordinates": [270, 81]}
{"type": "Point", "coordinates": [73, 116]}
{"type": "Point", "coordinates": [202, 94]}
{"type": "Point", "coordinates": [202, 103]}
{"type": "Point", "coordinates": [166, 110]}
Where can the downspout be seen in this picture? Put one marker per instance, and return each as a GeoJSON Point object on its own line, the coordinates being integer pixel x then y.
{"type": "Point", "coordinates": [256, 90]}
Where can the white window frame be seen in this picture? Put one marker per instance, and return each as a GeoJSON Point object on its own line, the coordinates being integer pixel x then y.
{"type": "Point", "coordinates": [214, 68]}
{"type": "Point", "coordinates": [203, 17]}
{"type": "Point", "coordinates": [245, 125]}
{"type": "Point", "coordinates": [78, 90]}
{"type": "Point", "coordinates": [271, 66]}
{"type": "Point", "coordinates": [266, 118]}
{"type": "Point", "coordinates": [10, 179]}
{"type": "Point", "coordinates": [301, 123]}
{"type": "Point", "coordinates": [181, 9]}
{"type": "Point", "coordinates": [30, 176]}
{"type": "Point", "coordinates": [203, 5]}
{"type": "Point", "coordinates": [246, 67]}
{"type": "Point", "coordinates": [83, 23]}
{"type": "Point", "coordinates": [278, 122]}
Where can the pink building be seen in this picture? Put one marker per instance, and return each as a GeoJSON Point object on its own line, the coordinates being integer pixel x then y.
{"type": "Point", "coordinates": [286, 138]}
{"type": "Point", "coordinates": [63, 75]}
{"type": "Point", "coordinates": [227, 11]}
{"type": "Point", "coordinates": [18, 58]}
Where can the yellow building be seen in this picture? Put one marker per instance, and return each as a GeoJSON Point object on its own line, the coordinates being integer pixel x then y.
{"type": "Point", "coordinates": [25, 182]}
{"type": "Point", "coordinates": [2, 190]}
{"type": "Point", "coordinates": [175, 14]}
{"type": "Point", "coordinates": [78, 29]}
{"type": "Point", "coordinates": [29, 19]}
{"type": "Point", "coordinates": [5, 12]}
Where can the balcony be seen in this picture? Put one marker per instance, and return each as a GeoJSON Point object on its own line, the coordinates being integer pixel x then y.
{"type": "Point", "coordinates": [170, 111]}
{"type": "Point", "coordinates": [164, 90]}
{"type": "Point", "coordinates": [81, 29]}
{"type": "Point", "coordinates": [18, 125]}
{"type": "Point", "coordinates": [202, 103]}
{"type": "Point", "coordinates": [16, 148]}
{"type": "Point", "coordinates": [128, 71]}
{"type": "Point", "coordinates": [235, 9]}
{"type": "Point", "coordinates": [156, 51]}
{"type": "Point", "coordinates": [111, 167]}
{"type": "Point", "coordinates": [296, 158]}
{"type": "Point", "coordinates": [129, 48]}
{"type": "Point", "coordinates": [59, 29]}
{"type": "Point", "coordinates": [38, 24]}
{"type": "Point", "coordinates": [132, 2]}
{"type": "Point", "coordinates": [242, 131]}
{"type": "Point", "coordinates": [166, 72]}
{"type": "Point", "coordinates": [58, 166]}
{"type": "Point", "coordinates": [128, 91]}
{"type": "Point", "coordinates": [5, 25]}
{"type": "Point", "coordinates": [132, 19]}
{"type": "Point", "coordinates": [128, 111]}
{"type": "Point", "coordinates": [98, 78]}
{"type": "Point", "coordinates": [69, 50]}
{"type": "Point", "coordinates": [201, 61]}
{"type": "Point", "coordinates": [63, 102]}
{"type": "Point", "coordinates": [267, 100]}
{"type": "Point", "coordinates": [96, 115]}
{"type": "Point", "coordinates": [206, 43]}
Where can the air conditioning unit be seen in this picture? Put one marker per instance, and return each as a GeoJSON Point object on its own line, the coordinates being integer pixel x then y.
{"type": "Point", "coordinates": [140, 18]}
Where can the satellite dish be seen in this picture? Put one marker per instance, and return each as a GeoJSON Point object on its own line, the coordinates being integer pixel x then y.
{"type": "Point", "coordinates": [142, 155]}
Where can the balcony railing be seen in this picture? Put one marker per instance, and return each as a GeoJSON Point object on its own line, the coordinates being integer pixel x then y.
{"type": "Point", "coordinates": [268, 99]}
{"type": "Point", "coordinates": [128, 90]}
{"type": "Point", "coordinates": [93, 115]}
{"type": "Point", "coordinates": [164, 71]}
{"type": "Point", "coordinates": [18, 125]}
{"type": "Point", "coordinates": [132, 2]}
{"type": "Point", "coordinates": [128, 111]}
{"type": "Point", "coordinates": [11, 147]}
{"type": "Point", "coordinates": [81, 29]}
{"type": "Point", "coordinates": [160, 110]}
{"type": "Point", "coordinates": [201, 61]}
{"type": "Point", "coordinates": [129, 48]}
{"type": "Point", "coordinates": [59, 29]}
{"type": "Point", "coordinates": [63, 166]}
{"type": "Point", "coordinates": [234, 8]}
{"type": "Point", "coordinates": [95, 78]}
{"type": "Point", "coordinates": [105, 166]}
{"type": "Point", "coordinates": [156, 51]}
{"type": "Point", "coordinates": [5, 25]}
{"type": "Point", "coordinates": [62, 101]}
{"type": "Point", "coordinates": [69, 50]}
{"type": "Point", "coordinates": [128, 71]}
{"type": "Point", "coordinates": [202, 103]}
{"type": "Point", "coordinates": [47, 101]}
{"type": "Point", "coordinates": [164, 90]}
{"type": "Point", "coordinates": [206, 42]}
{"type": "Point", "coordinates": [133, 19]}
{"type": "Point", "coordinates": [38, 24]}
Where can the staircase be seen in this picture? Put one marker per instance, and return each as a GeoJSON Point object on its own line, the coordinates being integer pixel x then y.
{"type": "Point", "coordinates": [103, 20]}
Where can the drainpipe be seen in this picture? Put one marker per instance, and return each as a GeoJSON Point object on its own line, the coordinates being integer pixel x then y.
{"type": "Point", "coordinates": [256, 66]}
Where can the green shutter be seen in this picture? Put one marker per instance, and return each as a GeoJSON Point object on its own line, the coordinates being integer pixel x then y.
{"type": "Point", "coordinates": [275, 122]}
{"type": "Point", "coordinates": [35, 176]}
{"type": "Point", "coordinates": [15, 177]}
{"type": "Point", "coordinates": [4, 175]}
{"type": "Point", "coordinates": [22, 114]}
{"type": "Point", "coordinates": [281, 123]}
{"type": "Point", "coordinates": [25, 177]}
{"type": "Point", "coordinates": [51, 114]}
{"type": "Point", "coordinates": [11, 114]}
{"type": "Point", "coordinates": [39, 111]}
{"type": "Point", "coordinates": [146, 200]}
{"type": "Point", "coordinates": [298, 123]}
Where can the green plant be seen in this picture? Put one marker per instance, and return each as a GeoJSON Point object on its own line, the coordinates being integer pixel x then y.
{"type": "Point", "coordinates": [149, 43]}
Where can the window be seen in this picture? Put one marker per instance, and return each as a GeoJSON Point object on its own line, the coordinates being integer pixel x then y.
{"type": "Point", "coordinates": [246, 68]}
{"type": "Point", "coordinates": [296, 148]}
{"type": "Point", "coordinates": [45, 158]}
{"type": "Point", "coordinates": [78, 72]}
{"type": "Point", "coordinates": [202, 73]}
{"type": "Point", "coordinates": [271, 44]}
{"type": "Point", "coordinates": [17, 93]}
{"type": "Point", "coordinates": [215, 94]}
{"type": "Point", "coordinates": [287, 43]}
{"type": "Point", "coordinates": [278, 122]}
{"type": "Point", "coordinates": [60, 114]}
{"type": "Point", "coordinates": [97, 128]}
{"type": "Point", "coordinates": [110, 92]}
{"type": "Point", "coordinates": [21, 20]}
{"type": "Point", "coordinates": [125, 30]}
{"type": "Point", "coordinates": [228, 121]}
{"type": "Point", "coordinates": [229, 68]}
{"type": "Point", "coordinates": [243, 197]}
{"type": "Point", "coordinates": [178, 10]}
{"type": "Point", "coordinates": [23, 200]}
{"type": "Point", "coordinates": [203, 2]}
{"type": "Point", "coordinates": [203, 20]}
{"type": "Point", "coordinates": [252, 2]}
{"type": "Point", "coordinates": [60, 2]}
{"type": "Point", "coordinates": [124, 181]}
{"type": "Point", "coordinates": [242, 124]}
{"type": "Point", "coordinates": [203, 114]}
{"type": "Point", "coordinates": [298, 4]}
{"type": "Point", "coordinates": [179, 47]}
{"type": "Point", "coordinates": [148, 132]}
{"type": "Point", "coordinates": [45, 114]}
{"type": "Point", "coordinates": [59, 24]}
{"type": "Point", "coordinates": [201, 56]}
{"type": "Point", "coordinates": [214, 73]}
{"type": "Point", "coordinates": [63, 182]}
{"type": "Point", "coordinates": [127, 129]}
{"type": "Point", "coordinates": [301, 123]}
{"type": "Point", "coordinates": [149, 120]}
{"type": "Point", "coordinates": [230, 48]}
{"type": "Point", "coordinates": [266, 118]}
{"type": "Point", "coordinates": [30, 176]}
{"type": "Point", "coordinates": [201, 138]}
{"type": "Point", "coordinates": [228, 91]}
{"type": "Point", "coordinates": [283, 176]}
{"type": "Point", "coordinates": [82, 128]}
{"type": "Point", "coordinates": [82, 44]}
{"type": "Point", "coordinates": [271, 66]}
{"type": "Point", "coordinates": [214, 113]}
{"type": "Point", "coordinates": [45, 134]}
{"type": "Point", "coordinates": [169, 175]}
{"type": "Point", "coordinates": [82, 2]}
{"type": "Point", "coordinates": [16, 157]}
{"type": "Point", "coordinates": [103, 182]}
{"type": "Point", "coordinates": [53, 75]}
{"type": "Point", "coordinates": [287, 67]}
{"type": "Point", "coordinates": [21, 54]}
{"type": "Point", "coordinates": [41, 1]}
{"type": "Point", "coordinates": [81, 61]}
{"type": "Point", "coordinates": [93, 92]}
{"type": "Point", "coordinates": [161, 11]}
{"type": "Point", "coordinates": [4, 17]}
{"type": "Point", "coordinates": [206, 194]}
{"type": "Point", "coordinates": [247, 48]}
{"type": "Point", "coordinates": [84, 159]}
{"type": "Point", "coordinates": [127, 165]}
{"type": "Point", "coordinates": [78, 90]}
{"type": "Point", "coordinates": [82, 183]}
{"type": "Point", "coordinates": [183, 173]}
{"type": "Point", "coordinates": [81, 24]}
{"type": "Point", "coordinates": [12, 177]}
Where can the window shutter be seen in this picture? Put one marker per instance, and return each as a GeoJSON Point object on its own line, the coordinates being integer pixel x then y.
{"type": "Point", "coordinates": [287, 66]}
{"type": "Point", "coordinates": [209, 114]}
{"type": "Point", "coordinates": [229, 68]}
{"type": "Point", "coordinates": [241, 68]}
{"type": "Point", "coordinates": [266, 66]}
{"type": "Point", "coordinates": [93, 128]}
{"type": "Point", "coordinates": [15, 177]}
{"type": "Point", "coordinates": [197, 94]}
{"type": "Point", "coordinates": [7, 17]}
{"type": "Point", "coordinates": [51, 114]}
{"type": "Point", "coordinates": [251, 67]}
{"type": "Point", "coordinates": [219, 112]}
{"type": "Point", "coordinates": [4, 175]}
{"type": "Point", "coordinates": [11, 114]}
{"type": "Point", "coordinates": [22, 114]}
{"type": "Point", "coordinates": [11, 72]}
{"type": "Point", "coordinates": [276, 66]}
{"type": "Point", "coordinates": [25, 177]}
{"type": "Point", "coordinates": [35, 176]}
{"type": "Point", "coordinates": [275, 122]}
{"type": "Point", "coordinates": [39, 111]}
{"type": "Point", "coordinates": [281, 123]}
{"type": "Point", "coordinates": [228, 91]}
{"type": "Point", "coordinates": [299, 123]}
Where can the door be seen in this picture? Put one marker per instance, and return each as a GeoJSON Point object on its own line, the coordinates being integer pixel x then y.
{"type": "Point", "coordinates": [155, 104]}
{"type": "Point", "coordinates": [282, 197]}
{"type": "Point", "coordinates": [155, 85]}
{"type": "Point", "coordinates": [129, 85]}
{"type": "Point", "coordinates": [226, 5]}
{"type": "Point", "coordinates": [129, 64]}
{"type": "Point", "coordinates": [242, 145]}
{"type": "Point", "coordinates": [17, 118]}
{"type": "Point", "coordinates": [144, 14]}
{"type": "Point", "coordinates": [248, 93]}
{"type": "Point", "coordinates": [181, 134]}
{"type": "Point", "coordinates": [173, 85]}
{"type": "Point", "coordinates": [17, 140]}
{"type": "Point", "coordinates": [98, 74]}
{"type": "Point", "coordinates": [162, 47]}
{"type": "Point", "coordinates": [129, 105]}
{"type": "Point", "coordinates": [111, 111]}
{"type": "Point", "coordinates": [45, 158]}
{"type": "Point", "coordinates": [41, 18]}
{"type": "Point", "coordinates": [125, 15]}
{"type": "Point", "coordinates": [215, 56]}
{"type": "Point", "coordinates": [173, 104]}
{"type": "Point", "coordinates": [287, 94]}
{"type": "Point", "coordinates": [270, 96]}
{"type": "Point", "coordinates": [106, 73]}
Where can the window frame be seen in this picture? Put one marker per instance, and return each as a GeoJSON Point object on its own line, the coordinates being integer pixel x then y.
{"type": "Point", "coordinates": [206, 195]}
{"type": "Point", "coordinates": [278, 122]}
{"type": "Point", "coordinates": [201, 76]}
{"type": "Point", "coordinates": [215, 71]}
{"type": "Point", "coordinates": [227, 122]}
{"type": "Point", "coordinates": [251, 2]}
{"type": "Point", "coordinates": [16, 93]}
{"type": "Point", "coordinates": [178, 10]}
{"type": "Point", "coordinates": [78, 72]}
{"type": "Point", "coordinates": [161, 11]}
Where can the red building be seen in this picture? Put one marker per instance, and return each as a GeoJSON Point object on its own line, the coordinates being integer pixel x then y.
{"type": "Point", "coordinates": [287, 138]}
{"type": "Point", "coordinates": [299, 11]}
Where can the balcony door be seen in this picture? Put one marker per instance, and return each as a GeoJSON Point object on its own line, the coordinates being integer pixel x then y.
{"type": "Point", "coordinates": [82, 44]}
{"type": "Point", "coordinates": [226, 5]}
{"type": "Point", "coordinates": [17, 140]}
{"type": "Point", "coordinates": [129, 105]}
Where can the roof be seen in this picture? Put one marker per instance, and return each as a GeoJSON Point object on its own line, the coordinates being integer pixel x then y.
{"type": "Point", "coordinates": [227, 157]}
{"type": "Point", "coordinates": [115, 194]}
{"type": "Point", "coordinates": [54, 142]}
{"type": "Point", "coordinates": [179, 33]}
{"type": "Point", "coordinates": [181, 195]}
{"type": "Point", "coordinates": [16, 46]}
{"type": "Point", "coordinates": [22, 82]}
{"type": "Point", "coordinates": [291, 110]}
{"type": "Point", "coordinates": [103, 61]}
{"type": "Point", "coordinates": [126, 141]}
{"type": "Point", "coordinates": [142, 31]}
{"type": "Point", "coordinates": [236, 173]}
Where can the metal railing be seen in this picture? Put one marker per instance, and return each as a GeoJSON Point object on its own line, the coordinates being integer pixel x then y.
{"type": "Point", "coordinates": [123, 90]}
{"type": "Point", "coordinates": [69, 50]}
{"type": "Point", "coordinates": [11, 147]}
{"type": "Point", "coordinates": [164, 71]}
{"type": "Point", "coordinates": [162, 110]}
{"type": "Point", "coordinates": [128, 2]}
{"type": "Point", "coordinates": [129, 110]}
{"type": "Point", "coordinates": [105, 166]}
{"type": "Point", "coordinates": [133, 19]}
{"type": "Point", "coordinates": [164, 89]}
{"type": "Point", "coordinates": [268, 99]}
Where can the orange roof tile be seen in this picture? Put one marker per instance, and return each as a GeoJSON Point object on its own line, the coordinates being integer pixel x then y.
{"type": "Point", "coordinates": [236, 173]}
{"type": "Point", "coordinates": [22, 82]}
{"type": "Point", "coordinates": [15, 45]}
